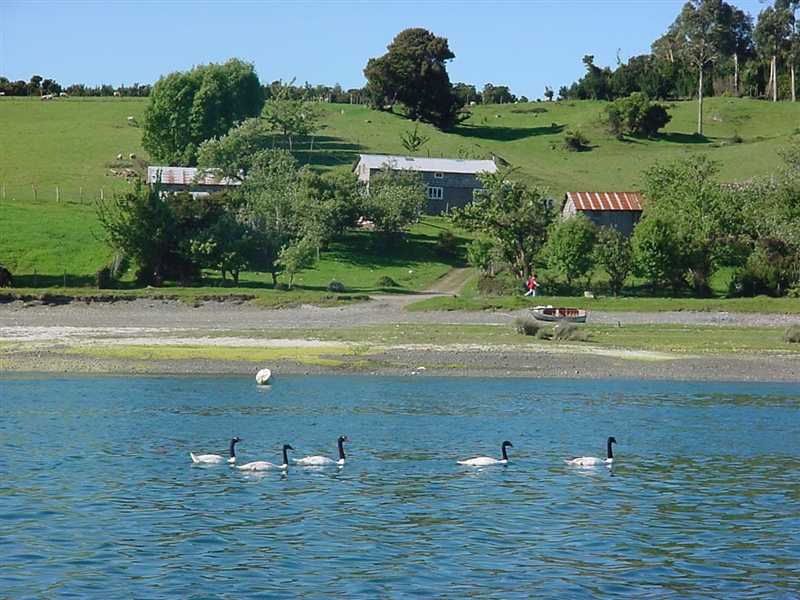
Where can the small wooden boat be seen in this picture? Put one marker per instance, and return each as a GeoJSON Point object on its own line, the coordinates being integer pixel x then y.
{"type": "Point", "coordinates": [558, 314]}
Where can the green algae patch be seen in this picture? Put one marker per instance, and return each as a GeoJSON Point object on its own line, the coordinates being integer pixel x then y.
{"type": "Point", "coordinates": [222, 353]}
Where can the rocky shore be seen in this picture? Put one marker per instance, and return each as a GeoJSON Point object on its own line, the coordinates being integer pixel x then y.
{"type": "Point", "coordinates": [36, 337]}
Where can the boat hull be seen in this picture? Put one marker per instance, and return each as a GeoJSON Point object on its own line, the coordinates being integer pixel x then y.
{"type": "Point", "coordinates": [559, 314]}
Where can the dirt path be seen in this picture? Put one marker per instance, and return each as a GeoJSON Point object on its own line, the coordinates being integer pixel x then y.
{"type": "Point", "coordinates": [452, 282]}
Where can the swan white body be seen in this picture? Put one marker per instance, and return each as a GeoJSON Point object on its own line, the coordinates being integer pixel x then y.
{"type": "Point", "coordinates": [324, 461]}
{"type": "Point", "coordinates": [487, 461]}
{"type": "Point", "coordinates": [216, 459]}
{"type": "Point", "coordinates": [263, 465]}
{"type": "Point", "coordinates": [592, 461]}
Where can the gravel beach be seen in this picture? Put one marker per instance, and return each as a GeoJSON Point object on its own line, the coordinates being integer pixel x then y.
{"type": "Point", "coordinates": [38, 337]}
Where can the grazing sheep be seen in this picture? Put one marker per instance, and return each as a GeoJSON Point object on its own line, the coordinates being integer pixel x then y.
{"type": "Point", "coordinates": [119, 156]}
{"type": "Point", "coordinates": [117, 95]}
{"type": "Point", "coordinates": [132, 156]}
{"type": "Point", "coordinates": [64, 95]}
{"type": "Point", "coordinates": [131, 119]}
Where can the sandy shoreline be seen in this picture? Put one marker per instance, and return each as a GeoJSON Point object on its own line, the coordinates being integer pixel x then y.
{"type": "Point", "coordinates": [35, 337]}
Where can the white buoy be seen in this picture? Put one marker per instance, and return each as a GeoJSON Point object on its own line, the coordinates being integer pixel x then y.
{"type": "Point", "coordinates": [264, 377]}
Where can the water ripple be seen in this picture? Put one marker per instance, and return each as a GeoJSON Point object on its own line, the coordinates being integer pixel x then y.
{"type": "Point", "coordinates": [98, 497]}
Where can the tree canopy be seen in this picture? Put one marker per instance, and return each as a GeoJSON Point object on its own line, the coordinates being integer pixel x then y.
{"type": "Point", "coordinates": [512, 216]}
{"type": "Point", "coordinates": [413, 72]}
{"type": "Point", "coordinates": [185, 109]}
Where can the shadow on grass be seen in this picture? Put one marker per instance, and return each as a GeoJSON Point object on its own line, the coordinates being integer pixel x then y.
{"type": "Point", "coordinates": [681, 138]}
{"type": "Point", "coordinates": [506, 134]}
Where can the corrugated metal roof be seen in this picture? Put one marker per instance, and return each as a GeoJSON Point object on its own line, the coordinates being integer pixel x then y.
{"type": "Point", "coordinates": [185, 176]}
{"type": "Point", "coordinates": [429, 165]}
{"type": "Point", "coordinates": [606, 200]}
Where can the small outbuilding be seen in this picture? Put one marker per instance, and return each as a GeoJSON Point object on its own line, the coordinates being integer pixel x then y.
{"type": "Point", "coordinates": [451, 182]}
{"type": "Point", "coordinates": [187, 179]}
{"type": "Point", "coordinates": [620, 210]}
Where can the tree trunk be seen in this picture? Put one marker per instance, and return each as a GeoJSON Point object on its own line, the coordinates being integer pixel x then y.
{"type": "Point", "coordinates": [736, 73]}
{"type": "Point", "coordinates": [700, 105]}
{"type": "Point", "coordinates": [773, 75]}
{"type": "Point", "coordinates": [794, 92]}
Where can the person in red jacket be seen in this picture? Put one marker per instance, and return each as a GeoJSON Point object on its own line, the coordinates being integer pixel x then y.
{"type": "Point", "coordinates": [532, 285]}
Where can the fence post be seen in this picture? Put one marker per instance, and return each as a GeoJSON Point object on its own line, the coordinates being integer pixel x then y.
{"type": "Point", "coordinates": [80, 193]}
{"type": "Point", "coordinates": [101, 194]}
{"type": "Point", "coordinates": [65, 278]}
{"type": "Point", "coordinates": [58, 195]}
{"type": "Point", "coordinates": [35, 279]}
{"type": "Point", "coordinates": [4, 190]}
{"type": "Point", "coordinates": [33, 187]}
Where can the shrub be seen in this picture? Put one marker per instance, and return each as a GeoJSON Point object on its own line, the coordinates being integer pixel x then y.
{"type": "Point", "coordinates": [495, 286]}
{"type": "Point", "coordinates": [386, 281]}
{"type": "Point", "coordinates": [102, 278]}
{"type": "Point", "coordinates": [569, 332]}
{"type": "Point", "coordinates": [446, 244]}
{"type": "Point", "coordinates": [337, 287]}
{"type": "Point", "coordinates": [526, 326]}
{"type": "Point", "coordinates": [758, 281]}
{"type": "Point", "coordinates": [791, 334]}
{"type": "Point", "coordinates": [575, 141]}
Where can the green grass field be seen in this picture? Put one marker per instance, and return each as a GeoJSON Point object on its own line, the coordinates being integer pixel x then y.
{"type": "Point", "coordinates": [72, 145]}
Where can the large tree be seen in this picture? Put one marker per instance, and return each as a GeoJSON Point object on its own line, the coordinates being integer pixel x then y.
{"type": "Point", "coordinates": [288, 114]}
{"type": "Point", "coordinates": [704, 218]}
{"type": "Point", "coordinates": [773, 35]}
{"type": "Point", "coordinates": [394, 200]}
{"type": "Point", "coordinates": [185, 109]}
{"type": "Point", "coordinates": [413, 72]}
{"type": "Point", "coordinates": [234, 154]}
{"type": "Point", "coordinates": [569, 250]}
{"type": "Point", "coordinates": [272, 195]}
{"type": "Point", "coordinates": [704, 34]}
{"type": "Point", "coordinates": [513, 216]}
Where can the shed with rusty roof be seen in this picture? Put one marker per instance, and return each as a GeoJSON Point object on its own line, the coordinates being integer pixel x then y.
{"type": "Point", "coordinates": [451, 182]}
{"type": "Point", "coordinates": [620, 210]}
{"type": "Point", "coordinates": [189, 179]}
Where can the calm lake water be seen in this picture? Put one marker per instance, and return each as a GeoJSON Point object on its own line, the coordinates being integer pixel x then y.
{"type": "Point", "coordinates": [99, 497]}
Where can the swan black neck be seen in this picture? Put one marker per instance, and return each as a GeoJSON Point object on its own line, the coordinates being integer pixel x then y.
{"type": "Point", "coordinates": [233, 444]}
{"type": "Point", "coordinates": [505, 453]}
{"type": "Point", "coordinates": [611, 440]}
{"type": "Point", "coordinates": [341, 441]}
{"type": "Point", "coordinates": [285, 454]}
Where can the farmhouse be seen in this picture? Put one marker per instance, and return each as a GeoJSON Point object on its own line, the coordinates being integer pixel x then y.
{"type": "Point", "coordinates": [180, 179]}
{"type": "Point", "coordinates": [620, 210]}
{"type": "Point", "coordinates": [451, 182]}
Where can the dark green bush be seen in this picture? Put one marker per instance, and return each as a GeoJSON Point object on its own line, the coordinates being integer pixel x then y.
{"type": "Point", "coordinates": [575, 141]}
{"type": "Point", "coordinates": [446, 244]}
{"type": "Point", "coordinates": [496, 286]}
{"type": "Point", "coordinates": [102, 278]}
{"type": "Point", "coordinates": [336, 287]}
{"type": "Point", "coordinates": [759, 281]}
{"type": "Point", "coordinates": [386, 281]}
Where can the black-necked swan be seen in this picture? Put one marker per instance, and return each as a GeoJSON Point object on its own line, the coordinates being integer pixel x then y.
{"type": "Point", "coordinates": [590, 461]}
{"type": "Point", "coordinates": [263, 465]}
{"type": "Point", "coordinates": [324, 461]}
{"type": "Point", "coordinates": [485, 461]}
{"type": "Point", "coordinates": [215, 459]}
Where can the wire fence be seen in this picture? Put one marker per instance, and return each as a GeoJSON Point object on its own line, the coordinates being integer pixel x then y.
{"type": "Point", "coordinates": [60, 193]}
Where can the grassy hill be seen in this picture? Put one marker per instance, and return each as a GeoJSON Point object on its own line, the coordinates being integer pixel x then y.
{"type": "Point", "coordinates": [73, 143]}
{"type": "Point", "coordinates": [67, 149]}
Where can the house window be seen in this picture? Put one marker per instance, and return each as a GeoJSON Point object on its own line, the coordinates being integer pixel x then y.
{"type": "Point", "coordinates": [438, 175]}
{"type": "Point", "coordinates": [479, 194]}
{"type": "Point", "coordinates": [435, 193]}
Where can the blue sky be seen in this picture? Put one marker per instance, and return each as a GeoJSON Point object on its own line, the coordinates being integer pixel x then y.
{"type": "Point", "coordinates": [523, 44]}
